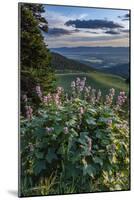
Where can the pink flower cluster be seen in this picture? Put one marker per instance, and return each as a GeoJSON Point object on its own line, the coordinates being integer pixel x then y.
{"type": "Point", "coordinates": [65, 129]}
{"type": "Point", "coordinates": [109, 122]}
{"type": "Point", "coordinates": [78, 85]}
{"type": "Point", "coordinates": [29, 112]}
{"type": "Point", "coordinates": [98, 96]}
{"type": "Point", "coordinates": [109, 98]}
{"type": "Point", "coordinates": [56, 98]}
{"type": "Point", "coordinates": [87, 92]}
{"type": "Point", "coordinates": [49, 129]}
{"type": "Point", "coordinates": [24, 98]}
{"type": "Point", "coordinates": [93, 96]}
{"type": "Point", "coordinates": [81, 110]}
{"type": "Point", "coordinates": [47, 99]}
{"type": "Point", "coordinates": [38, 91]}
{"type": "Point", "coordinates": [60, 90]}
{"type": "Point", "coordinates": [50, 98]}
{"type": "Point", "coordinates": [121, 99]}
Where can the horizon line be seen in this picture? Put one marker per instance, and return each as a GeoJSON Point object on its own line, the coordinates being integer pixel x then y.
{"type": "Point", "coordinates": [90, 47]}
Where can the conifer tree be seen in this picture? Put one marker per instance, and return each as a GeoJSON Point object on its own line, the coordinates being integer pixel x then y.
{"type": "Point", "coordinates": [35, 58]}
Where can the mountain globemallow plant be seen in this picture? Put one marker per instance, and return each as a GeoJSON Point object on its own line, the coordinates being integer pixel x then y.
{"type": "Point", "coordinates": [75, 143]}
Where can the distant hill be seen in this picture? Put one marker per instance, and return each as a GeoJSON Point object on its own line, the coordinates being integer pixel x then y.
{"type": "Point", "coordinates": [119, 69]}
{"type": "Point", "coordinates": [68, 70]}
{"type": "Point", "coordinates": [62, 64]}
{"type": "Point", "coordinates": [76, 49]}
{"type": "Point", "coordinates": [96, 58]}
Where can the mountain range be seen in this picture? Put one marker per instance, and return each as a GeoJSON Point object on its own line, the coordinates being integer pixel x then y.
{"type": "Point", "coordinates": [63, 64]}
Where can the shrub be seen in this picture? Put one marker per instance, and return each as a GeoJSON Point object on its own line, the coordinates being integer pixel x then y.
{"type": "Point", "coordinates": [75, 144]}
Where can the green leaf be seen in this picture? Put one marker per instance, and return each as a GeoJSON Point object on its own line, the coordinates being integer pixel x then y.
{"type": "Point", "coordinates": [96, 147]}
{"type": "Point", "coordinates": [39, 155]}
{"type": "Point", "coordinates": [51, 155]}
{"type": "Point", "coordinates": [92, 111]}
{"type": "Point", "coordinates": [83, 134]}
{"type": "Point", "coordinates": [98, 134]}
{"type": "Point", "coordinates": [74, 171]}
{"type": "Point", "coordinates": [91, 121]}
{"type": "Point", "coordinates": [58, 129]}
{"type": "Point", "coordinates": [39, 166]}
{"type": "Point", "coordinates": [71, 122]}
{"type": "Point", "coordinates": [39, 132]}
{"type": "Point", "coordinates": [98, 160]}
{"type": "Point", "coordinates": [83, 138]}
{"type": "Point", "coordinates": [89, 170]}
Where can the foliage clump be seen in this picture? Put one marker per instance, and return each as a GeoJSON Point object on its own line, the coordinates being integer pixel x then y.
{"type": "Point", "coordinates": [74, 143]}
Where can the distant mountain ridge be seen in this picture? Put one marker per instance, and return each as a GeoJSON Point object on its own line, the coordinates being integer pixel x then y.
{"type": "Point", "coordinates": [62, 64]}
{"type": "Point", "coordinates": [86, 48]}
{"type": "Point", "coordinates": [115, 58]}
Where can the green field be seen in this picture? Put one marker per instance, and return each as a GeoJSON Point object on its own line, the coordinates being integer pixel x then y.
{"type": "Point", "coordinates": [96, 80]}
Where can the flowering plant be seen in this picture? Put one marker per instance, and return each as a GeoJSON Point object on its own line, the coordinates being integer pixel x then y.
{"type": "Point", "coordinates": [81, 136]}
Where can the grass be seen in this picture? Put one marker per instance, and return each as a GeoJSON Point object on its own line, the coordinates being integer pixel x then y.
{"type": "Point", "coordinates": [95, 79]}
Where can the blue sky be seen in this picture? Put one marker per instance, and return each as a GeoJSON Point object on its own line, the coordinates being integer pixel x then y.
{"type": "Point", "coordinates": [79, 26]}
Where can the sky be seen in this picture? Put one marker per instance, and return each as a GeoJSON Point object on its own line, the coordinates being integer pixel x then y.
{"type": "Point", "coordinates": [79, 26]}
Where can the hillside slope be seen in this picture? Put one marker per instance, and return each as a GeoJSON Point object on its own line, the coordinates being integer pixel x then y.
{"type": "Point", "coordinates": [120, 69]}
{"type": "Point", "coordinates": [62, 64]}
{"type": "Point", "coordinates": [68, 70]}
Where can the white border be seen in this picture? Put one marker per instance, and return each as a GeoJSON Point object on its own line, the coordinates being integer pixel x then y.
{"type": "Point", "coordinates": [9, 97]}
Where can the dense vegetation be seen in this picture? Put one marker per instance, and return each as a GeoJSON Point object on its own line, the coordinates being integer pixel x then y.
{"type": "Point", "coordinates": [75, 143]}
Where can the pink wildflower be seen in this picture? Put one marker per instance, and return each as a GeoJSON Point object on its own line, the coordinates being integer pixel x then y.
{"type": "Point", "coordinates": [121, 99]}
{"type": "Point", "coordinates": [65, 130]}
{"type": "Point", "coordinates": [89, 144]}
{"type": "Point", "coordinates": [24, 98]}
{"type": "Point", "coordinates": [81, 110]}
{"type": "Point", "coordinates": [98, 95]}
{"type": "Point", "coordinates": [109, 122]}
{"type": "Point", "coordinates": [60, 90]}
{"type": "Point", "coordinates": [73, 84]}
{"type": "Point", "coordinates": [49, 129]}
{"type": "Point", "coordinates": [45, 99]}
{"type": "Point", "coordinates": [38, 91]}
{"type": "Point", "coordinates": [29, 112]}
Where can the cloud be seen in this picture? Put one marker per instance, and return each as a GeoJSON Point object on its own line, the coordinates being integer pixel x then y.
{"type": "Point", "coordinates": [93, 24]}
{"type": "Point", "coordinates": [93, 32]}
{"type": "Point", "coordinates": [125, 30]}
{"type": "Point", "coordinates": [61, 31]}
{"type": "Point", "coordinates": [111, 32]}
{"type": "Point", "coordinates": [124, 17]}
{"type": "Point", "coordinates": [58, 31]}
{"type": "Point", "coordinates": [119, 31]}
